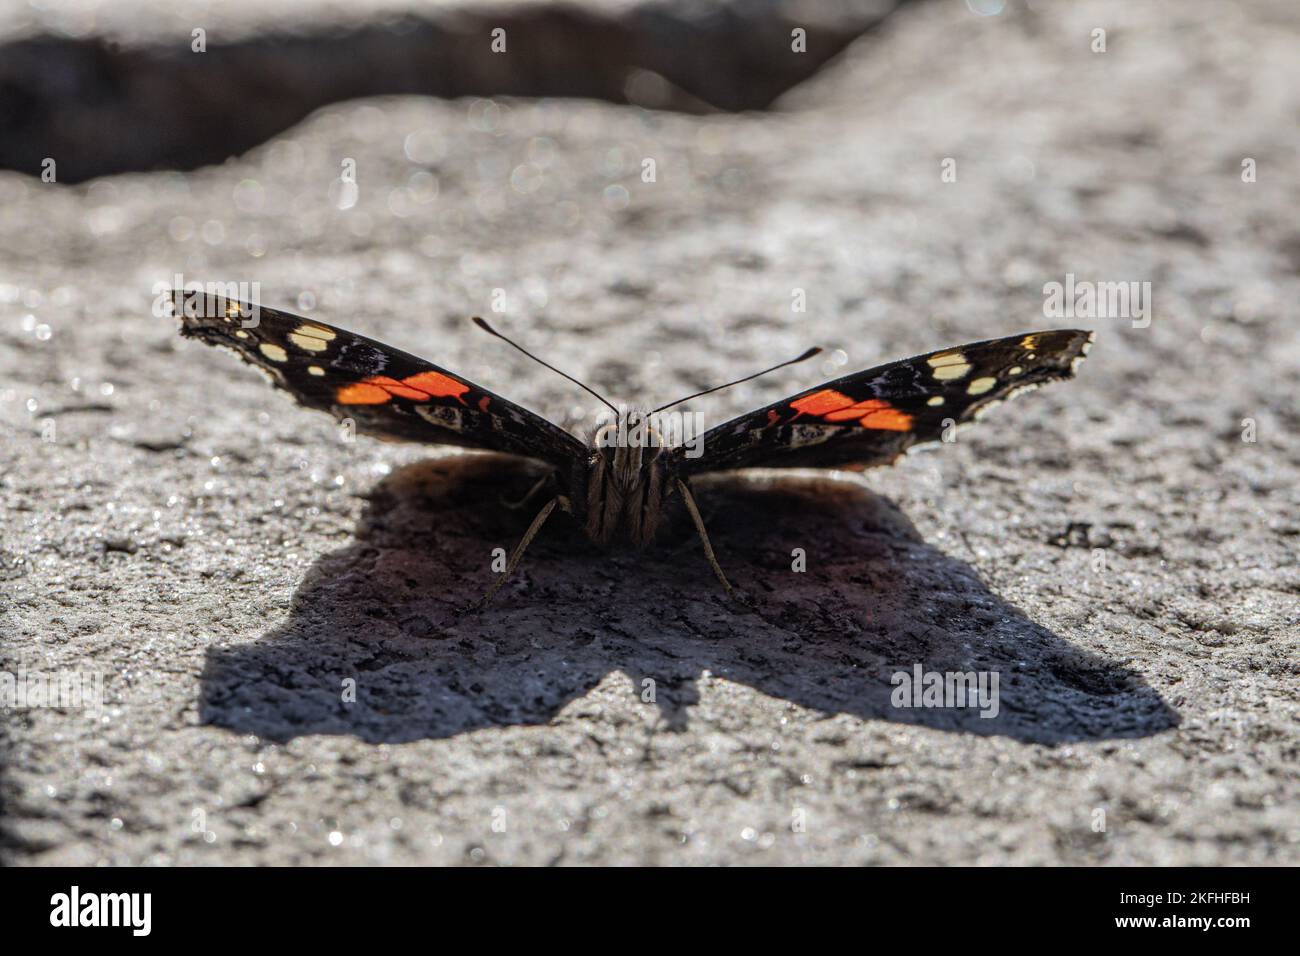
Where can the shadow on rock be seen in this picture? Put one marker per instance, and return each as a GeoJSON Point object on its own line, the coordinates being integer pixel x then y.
{"type": "Point", "coordinates": [874, 601]}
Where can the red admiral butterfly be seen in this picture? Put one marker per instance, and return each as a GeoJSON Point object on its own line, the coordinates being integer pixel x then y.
{"type": "Point", "coordinates": [619, 483]}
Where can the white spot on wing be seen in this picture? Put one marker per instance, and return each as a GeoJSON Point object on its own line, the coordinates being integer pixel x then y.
{"type": "Point", "coordinates": [308, 343]}
{"type": "Point", "coordinates": [949, 366]}
{"type": "Point", "coordinates": [312, 338]}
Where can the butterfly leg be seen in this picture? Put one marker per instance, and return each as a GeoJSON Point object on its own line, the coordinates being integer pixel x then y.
{"type": "Point", "coordinates": [519, 550]}
{"type": "Point", "coordinates": [704, 537]}
{"type": "Point", "coordinates": [532, 492]}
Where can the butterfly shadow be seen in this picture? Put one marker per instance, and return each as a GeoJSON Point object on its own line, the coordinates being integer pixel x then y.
{"type": "Point", "coordinates": [376, 645]}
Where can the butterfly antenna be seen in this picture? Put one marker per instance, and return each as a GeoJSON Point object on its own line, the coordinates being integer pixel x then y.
{"type": "Point", "coordinates": [482, 324]}
{"type": "Point", "coordinates": [717, 388]}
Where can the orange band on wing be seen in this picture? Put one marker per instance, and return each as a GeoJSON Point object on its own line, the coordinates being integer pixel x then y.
{"type": "Point", "coordinates": [832, 406]}
{"type": "Point", "coordinates": [437, 385]}
{"type": "Point", "coordinates": [821, 403]}
{"type": "Point", "coordinates": [362, 394]}
{"type": "Point", "coordinates": [882, 416]}
{"type": "Point", "coordinates": [418, 388]}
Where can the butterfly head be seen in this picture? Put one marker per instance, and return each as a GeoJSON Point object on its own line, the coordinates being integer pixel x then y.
{"type": "Point", "coordinates": [627, 477]}
{"type": "Point", "coordinates": [627, 444]}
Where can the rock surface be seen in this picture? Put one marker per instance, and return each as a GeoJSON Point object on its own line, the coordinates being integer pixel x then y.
{"type": "Point", "coordinates": [1111, 547]}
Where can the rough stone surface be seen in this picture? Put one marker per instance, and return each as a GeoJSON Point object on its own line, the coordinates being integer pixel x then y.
{"type": "Point", "coordinates": [1111, 547]}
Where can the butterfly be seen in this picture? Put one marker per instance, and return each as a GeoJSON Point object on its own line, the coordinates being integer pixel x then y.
{"type": "Point", "coordinates": [620, 482]}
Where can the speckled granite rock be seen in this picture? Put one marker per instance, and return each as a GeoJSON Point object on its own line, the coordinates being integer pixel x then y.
{"type": "Point", "coordinates": [1110, 547]}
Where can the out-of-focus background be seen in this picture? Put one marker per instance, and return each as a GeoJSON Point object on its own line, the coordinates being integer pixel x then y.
{"type": "Point", "coordinates": [646, 192]}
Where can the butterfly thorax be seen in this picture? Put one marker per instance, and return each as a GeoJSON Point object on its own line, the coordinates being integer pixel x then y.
{"type": "Point", "coordinates": [628, 476]}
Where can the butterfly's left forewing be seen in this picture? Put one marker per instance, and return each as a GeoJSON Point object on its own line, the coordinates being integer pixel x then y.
{"type": "Point", "coordinates": [386, 392]}
{"type": "Point", "coordinates": [871, 417]}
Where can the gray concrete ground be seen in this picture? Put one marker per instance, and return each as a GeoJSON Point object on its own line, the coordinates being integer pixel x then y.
{"type": "Point", "coordinates": [1111, 547]}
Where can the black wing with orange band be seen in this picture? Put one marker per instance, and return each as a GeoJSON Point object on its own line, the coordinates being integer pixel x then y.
{"type": "Point", "coordinates": [386, 392]}
{"type": "Point", "coordinates": [871, 417]}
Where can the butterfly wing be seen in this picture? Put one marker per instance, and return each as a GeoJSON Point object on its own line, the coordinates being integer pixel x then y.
{"type": "Point", "coordinates": [869, 418]}
{"type": "Point", "coordinates": [386, 392]}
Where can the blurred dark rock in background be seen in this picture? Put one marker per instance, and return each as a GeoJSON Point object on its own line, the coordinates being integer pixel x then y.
{"type": "Point", "coordinates": [106, 103]}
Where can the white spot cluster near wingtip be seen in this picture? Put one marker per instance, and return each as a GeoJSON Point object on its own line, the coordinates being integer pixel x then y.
{"type": "Point", "coordinates": [240, 333]}
{"type": "Point", "coordinates": [311, 338]}
{"type": "Point", "coordinates": [935, 401]}
{"type": "Point", "coordinates": [273, 352]}
{"type": "Point", "coordinates": [1015, 370]}
{"type": "Point", "coordinates": [981, 385]}
{"type": "Point", "coordinates": [315, 370]}
{"type": "Point", "coordinates": [949, 366]}
{"type": "Point", "coordinates": [1083, 351]}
